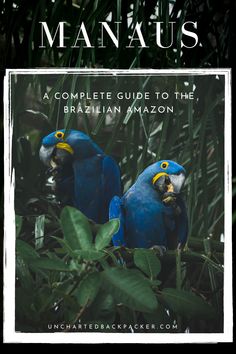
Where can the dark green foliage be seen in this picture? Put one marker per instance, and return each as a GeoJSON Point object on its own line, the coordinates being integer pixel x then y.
{"type": "Point", "coordinates": [187, 304]}
{"type": "Point", "coordinates": [76, 238]}
{"type": "Point", "coordinates": [147, 261]}
{"type": "Point", "coordinates": [71, 287]}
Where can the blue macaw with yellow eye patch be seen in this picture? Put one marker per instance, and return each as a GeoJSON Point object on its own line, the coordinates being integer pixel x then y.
{"type": "Point", "coordinates": [152, 212]}
{"type": "Point", "coordinates": [85, 177]}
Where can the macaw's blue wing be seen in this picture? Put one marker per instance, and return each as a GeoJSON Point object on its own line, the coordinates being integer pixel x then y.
{"type": "Point", "coordinates": [116, 212]}
{"type": "Point", "coordinates": [176, 225]}
{"type": "Point", "coordinates": [65, 191]}
{"type": "Point", "coordinates": [87, 186]}
{"type": "Point", "coordinates": [111, 185]}
{"type": "Point", "coordinates": [96, 182]}
{"type": "Point", "coordinates": [182, 223]}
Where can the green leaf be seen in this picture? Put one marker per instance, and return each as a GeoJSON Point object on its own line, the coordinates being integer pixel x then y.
{"type": "Point", "coordinates": [88, 289]}
{"type": "Point", "coordinates": [44, 298]}
{"type": "Point", "coordinates": [187, 304]}
{"type": "Point", "coordinates": [130, 289]}
{"type": "Point", "coordinates": [18, 221]}
{"type": "Point", "coordinates": [75, 266]}
{"type": "Point", "coordinates": [64, 287]}
{"type": "Point", "coordinates": [23, 273]}
{"type": "Point", "coordinates": [25, 250]}
{"type": "Point", "coordinates": [105, 233]}
{"type": "Point", "coordinates": [147, 261]}
{"type": "Point", "coordinates": [103, 308]}
{"type": "Point", "coordinates": [76, 229]}
{"type": "Point", "coordinates": [51, 264]}
{"type": "Point", "coordinates": [65, 247]}
{"type": "Point", "coordinates": [90, 255]}
{"type": "Point", "coordinates": [39, 231]}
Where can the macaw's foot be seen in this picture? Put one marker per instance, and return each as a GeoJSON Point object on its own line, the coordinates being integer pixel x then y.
{"type": "Point", "coordinates": [169, 198]}
{"type": "Point", "coordinates": [160, 249]}
{"type": "Point", "coordinates": [55, 173]}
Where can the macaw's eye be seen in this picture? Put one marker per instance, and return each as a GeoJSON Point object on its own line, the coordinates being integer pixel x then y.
{"type": "Point", "coordinates": [164, 165]}
{"type": "Point", "coordinates": [59, 135]}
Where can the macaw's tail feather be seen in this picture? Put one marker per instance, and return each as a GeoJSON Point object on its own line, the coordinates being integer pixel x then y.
{"type": "Point", "coordinates": [116, 212]}
{"type": "Point", "coordinates": [111, 184]}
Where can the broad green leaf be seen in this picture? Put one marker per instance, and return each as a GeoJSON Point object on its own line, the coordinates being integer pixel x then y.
{"type": "Point", "coordinates": [103, 307]}
{"type": "Point", "coordinates": [24, 274]}
{"type": "Point", "coordinates": [65, 246]}
{"type": "Point", "coordinates": [76, 229]}
{"type": "Point", "coordinates": [25, 250]}
{"type": "Point", "coordinates": [105, 233]}
{"type": "Point", "coordinates": [90, 255]}
{"type": "Point", "coordinates": [143, 277]}
{"type": "Point", "coordinates": [130, 289]}
{"type": "Point", "coordinates": [88, 288]}
{"type": "Point", "coordinates": [187, 304]}
{"type": "Point", "coordinates": [51, 264]}
{"type": "Point", "coordinates": [18, 221]}
{"type": "Point", "coordinates": [147, 261]}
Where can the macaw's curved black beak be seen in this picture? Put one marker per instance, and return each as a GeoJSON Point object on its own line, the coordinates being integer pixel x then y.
{"type": "Point", "coordinates": [170, 186]}
{"type": "Point", "coordinates": [177, 181]}
{"type": "Point", "coordinates": [170, 183]}
{"type": "Point", "coordinates": [55, 158]}
{"type": "Point", "coordinates": [45, 154]}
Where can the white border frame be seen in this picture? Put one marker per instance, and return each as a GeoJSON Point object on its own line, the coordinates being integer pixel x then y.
{"type": "Point", "coordinates": [10, 336]}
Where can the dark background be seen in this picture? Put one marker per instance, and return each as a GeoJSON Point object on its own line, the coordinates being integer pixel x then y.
{"type": "Point", "coordinates": [19, 35]}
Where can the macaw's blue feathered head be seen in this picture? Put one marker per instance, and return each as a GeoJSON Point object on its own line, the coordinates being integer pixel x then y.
{"type": "Point", "coordinates": [61, 147]}
{"type": "Point", "coordinates": [165, 176]}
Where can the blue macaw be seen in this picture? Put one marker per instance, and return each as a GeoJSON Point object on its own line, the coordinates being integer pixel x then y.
{"type": "Point", "coordinates": [152, 212]}
{"type": "Point", "coordinates": [85, 177]}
